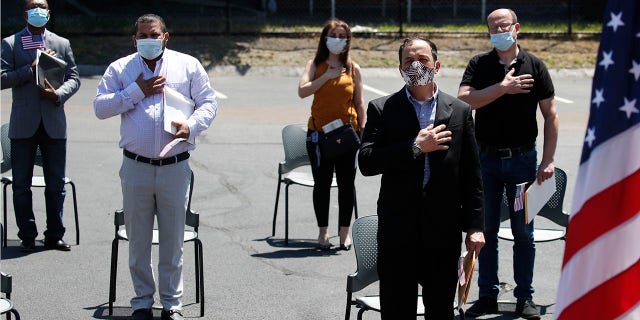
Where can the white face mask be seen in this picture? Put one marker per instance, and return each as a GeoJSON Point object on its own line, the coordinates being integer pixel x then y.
{"type": "Point", "coordinates": [149, 48]}
{"type": "Point", "coordinates": [417, 74]}
{"type": "Point", "coordinates": [336, 45]}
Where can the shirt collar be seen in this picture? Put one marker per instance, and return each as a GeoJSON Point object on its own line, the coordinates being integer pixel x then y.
{"type": "Point", "coordinates": [424, 102]}
{"type": "Point", "coordinates": [29, 32]}
{"type": "Point", "coordinates": [158, 62]}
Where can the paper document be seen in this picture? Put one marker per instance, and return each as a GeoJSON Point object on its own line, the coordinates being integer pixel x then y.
{"type": "Point", "coordinates": [170, 146]}
{"type": "Point", "coordinates": [335, 124]}
{"type": "Point", "coordinates": [176, 107]}
{"type": "Point", "coordinates": [466, 264]}
{"type": "Point", "coordinates": [50, 68]}
{"type": "Point", "coordinates": [537, 196]}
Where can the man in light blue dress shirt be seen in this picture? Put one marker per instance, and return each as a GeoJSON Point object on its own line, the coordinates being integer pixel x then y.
{"type": "Point", "coordinates": [132, 87]}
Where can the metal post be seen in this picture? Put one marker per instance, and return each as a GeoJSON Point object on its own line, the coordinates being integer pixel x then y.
{"type": "Point", "coordinates": [570, 27]}
{"type": "Point", "coordinates": [333, 9]}
{"type": "Point", "coordinates": [311, 8]}
{"type": "Point", "coordinates": [455, 8]}
{"type": "Point", "coordinates": [228, 24]}
{"type": "Point", "coordinates": [400, 3]}
{"type": "Point", "coordinates": [483, 11]}
{"type": "Point", "coordinates": [384, 8]}
{"type": "Point", "coordinates": [409, 11]}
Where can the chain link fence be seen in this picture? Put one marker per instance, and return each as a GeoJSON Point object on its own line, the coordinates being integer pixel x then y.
{"type": "Point", "coordinates": [259, 16]}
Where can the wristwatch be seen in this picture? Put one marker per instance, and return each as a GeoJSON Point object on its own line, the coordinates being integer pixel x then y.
{"type": "Point", "coordinates": [415, 148]}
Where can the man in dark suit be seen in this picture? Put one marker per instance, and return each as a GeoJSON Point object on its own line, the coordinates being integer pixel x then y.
{"type": "Point", "coordinates": [422, 142]}
{"type": "Point", "coordinates": [38, 119]}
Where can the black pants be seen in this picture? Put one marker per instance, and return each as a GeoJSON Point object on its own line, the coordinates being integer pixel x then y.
{"type": "Point", "coordinates": [403, 263]}
{"type": "Point", "coordinates": [322, 170]}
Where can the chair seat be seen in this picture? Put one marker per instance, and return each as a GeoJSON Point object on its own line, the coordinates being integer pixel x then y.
{"type": "Point", "coordinates": [189, 235]}
{"type": "Point", "coordinates": [373, 303]}
{"type": "Point", "coordinates": [539, 235]}
{"type": "Point", "coordinates": [5, 305]}
{"type": "Point", "coordinates": [36, 181]}
{"type": "Point", "coordinates": [304, 178]}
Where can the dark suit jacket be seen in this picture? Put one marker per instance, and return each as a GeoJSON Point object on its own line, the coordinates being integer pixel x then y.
{"type": "Point", "coordinates": [453, 199]}
{"type": "Point", "coordinates": [28, 107]}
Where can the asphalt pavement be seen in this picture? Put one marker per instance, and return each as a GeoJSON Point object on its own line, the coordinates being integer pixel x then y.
{"type": "Point", "coordinates": [247, 273]}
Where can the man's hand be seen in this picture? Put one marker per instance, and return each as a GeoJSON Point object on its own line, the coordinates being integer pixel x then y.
{"type": "Point", "coordinates": [545, 171]}
{"type": "Point", "coordinates": [432, 139]}
{"type": "Point", "coordinates": [519, 84]}
{"type": "Point", "coordinates": [49, 92]}
{"type": "Point", "coordinates": [151, 86]}
{"type": "Point", "coordinates": [474, 241]}
{"type": "Point", "coordinates": [183, 129]}
{"type": "Point", "coordinates": [47, 51]}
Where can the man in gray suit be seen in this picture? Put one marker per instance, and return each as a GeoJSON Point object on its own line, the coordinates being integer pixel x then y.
{"type": "Point", "coordinates": [38, 119]}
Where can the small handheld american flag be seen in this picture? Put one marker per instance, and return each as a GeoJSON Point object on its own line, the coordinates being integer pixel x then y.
{"type": "Point", "coordinates": [518, 204]}
{"type": "Point", "coordinates": [32, 42]}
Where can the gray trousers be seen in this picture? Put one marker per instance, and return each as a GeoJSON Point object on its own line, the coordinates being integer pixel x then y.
{"type": "Point", "coordinates": [150, 191]}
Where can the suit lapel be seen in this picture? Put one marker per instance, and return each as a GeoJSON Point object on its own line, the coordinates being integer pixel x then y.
{"type": "Point", "coordinates": [18, 44]}
{"type": "Point", "coordinates": [49, 40]}
{"type": "Point", "coordinates": [407, 110]}
{"type": "Point", "coordinates": [443, 109]}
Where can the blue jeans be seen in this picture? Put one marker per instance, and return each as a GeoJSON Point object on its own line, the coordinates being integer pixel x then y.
{"type": "Point", "coordinates": [23, 152]}
{"type": "Point", "coordinates": [498, 174]}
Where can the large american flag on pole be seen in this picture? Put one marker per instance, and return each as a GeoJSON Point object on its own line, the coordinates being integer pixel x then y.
{"type": "Point", "coordinates": [600, 276]}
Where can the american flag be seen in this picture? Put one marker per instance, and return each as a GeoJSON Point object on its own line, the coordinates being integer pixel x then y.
{"type": "Point", "coordinates": [600, 276]}
{"type": "Point", "coordinates": [32, 42]}
{"type": "Point", "coordinates": [518, 204]}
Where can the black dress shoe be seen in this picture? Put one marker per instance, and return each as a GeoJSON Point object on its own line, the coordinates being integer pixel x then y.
{"type": "Point", "coordinates": [142, 314]}
{"type": "Point", "coordinates": [27, 246]}
{"type": "Point", "coordinates": [345, 247]}
{"type": "Point", "coordinates": [171, 315]}
{"type": "Point", "coordinates": [57, 245]}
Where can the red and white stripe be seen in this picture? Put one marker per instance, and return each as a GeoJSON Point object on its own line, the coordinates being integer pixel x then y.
{"type": "Point", "coordinates": [601, 268]}
{"type": "Point", "coordinates": [28, 43]}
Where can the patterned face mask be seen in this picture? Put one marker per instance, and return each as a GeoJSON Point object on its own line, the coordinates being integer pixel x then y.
{"type": "Point", "coordinates": [417, 74]}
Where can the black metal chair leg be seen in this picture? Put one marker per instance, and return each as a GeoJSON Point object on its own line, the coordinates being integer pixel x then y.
{"type": "Point", "coordinates": [355, 202]}
{"type": "Point", "coordinates": [286, 215]}
{"type": "Point", "coordinates": [197, 266]}
{"type": "Point", "coordinates": [4, 215]}
{"type": "Point", "coordinates": [275, 209]}
{"type": "Point", "coordinates": [75, 210]}
{"type": "Point", "coordinates": [201, 279]}
{"type": "Point", "coordinates": [113, 275]}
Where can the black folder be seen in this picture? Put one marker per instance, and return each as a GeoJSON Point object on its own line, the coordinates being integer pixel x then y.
{"type": "Point", "coordinates": [51, 68]}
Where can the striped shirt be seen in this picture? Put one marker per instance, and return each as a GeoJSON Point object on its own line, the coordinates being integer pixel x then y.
{"type": "Point", "coordinates": [426, 116]}
{"type": "Point", "coordinates": [141, 129]}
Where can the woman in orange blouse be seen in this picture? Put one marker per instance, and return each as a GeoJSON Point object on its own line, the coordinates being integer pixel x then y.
{"type": "Point", "coordinates": [336, 85]}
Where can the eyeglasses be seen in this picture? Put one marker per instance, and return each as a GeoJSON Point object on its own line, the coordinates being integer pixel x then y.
{"type": "Point", "coordinates": [504, 27]}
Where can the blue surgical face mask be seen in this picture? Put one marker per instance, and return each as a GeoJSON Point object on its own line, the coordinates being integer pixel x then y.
{"type": "Point", "coordinates": [37, 17]}
{"type": "Point", "coordinates": [149, 48]}
{"type": "Point", "coordinates": [502, 41]}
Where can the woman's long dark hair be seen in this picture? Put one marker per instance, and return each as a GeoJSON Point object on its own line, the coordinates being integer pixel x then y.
{"type": "Point", "coordinates": [323, 52]}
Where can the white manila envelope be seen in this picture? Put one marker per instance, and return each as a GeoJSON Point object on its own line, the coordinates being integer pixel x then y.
{"type": "Point", "coordinates": [537, 196]}
{"type": "Point", "coordinates": [176, 107]}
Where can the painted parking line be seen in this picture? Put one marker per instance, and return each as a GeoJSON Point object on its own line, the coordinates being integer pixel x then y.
{"type": "Point", "coordinates": [220, 95]}
{"type": "Point", "coordinates": [563, 100]}
{"type": "Point", "coordinates": [382, 93]}
{"type": "Point", "coordinates": [374, 90]}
